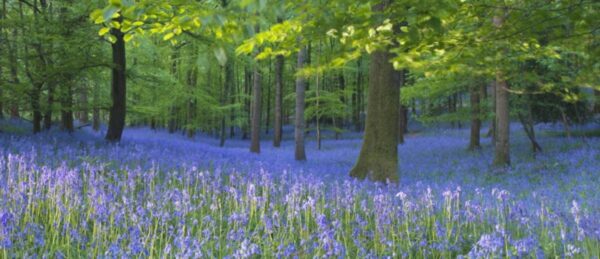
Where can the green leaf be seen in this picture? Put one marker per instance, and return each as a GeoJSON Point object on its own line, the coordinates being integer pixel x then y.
{"type": "Point", "coordinates": [221, 56]}
{"type": "Point", "coordinates": [128, 37]}
{"type": "Point", "coordinates": [168, 36]}
{"type": "Point", "coordinates": [103, 31]}
{"type": "Point", "coordinates": [116, 3]}
{"type": "Point", "coordinates": [110, 12]}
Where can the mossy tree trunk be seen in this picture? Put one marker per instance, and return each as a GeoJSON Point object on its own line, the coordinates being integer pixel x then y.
{"type": "Point", "coordinates": [378, 159]}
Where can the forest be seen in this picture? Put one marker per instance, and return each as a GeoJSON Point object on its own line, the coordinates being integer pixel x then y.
{"type": "Point", "coordinates": [299, 129]}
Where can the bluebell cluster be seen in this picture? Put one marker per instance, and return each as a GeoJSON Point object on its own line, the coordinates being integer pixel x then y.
{"type": "Point", "coordinates": [162, 195]}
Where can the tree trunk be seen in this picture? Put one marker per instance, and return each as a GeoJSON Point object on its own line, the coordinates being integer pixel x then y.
{"type": "Point", "coordinates": [475, 98]}
{"type": "Point", "coordinates": [502, 151]}
{"type": "Point", "coordinates": [96, 109]}
{"type": "Point", "coordinates": [268, 110]}
{"type": "Point", "coordinates": [83, 114]}
{"type": "Point", "coordinates": [116, 121]}
{"type": "Point", "coordinates": [358, 97]}
{"type": "Point", "coordinates": [67, 108]}
{"type": "Point", "coordinates": [300, 153]}
{"type": "Point", "coordinates": [378, 159]}
{"type": "Point", "coordinates": [35, 106]}
{"type": "Point", "coordinates": [256, 108]}
{"type": "Point", "coordinates": [227, 86]}
{"type": "Point", "coordinates": [49, 108]}
{"type": "Point", "coordinates": [279, 66]}
{"type": "Point", "coordinates": [247, 102]}
{"type": "Point", "coordinates": [402, 110]}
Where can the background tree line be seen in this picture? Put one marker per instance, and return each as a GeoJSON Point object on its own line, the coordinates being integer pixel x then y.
{"type": "Point", "coordinates": [244, 69]}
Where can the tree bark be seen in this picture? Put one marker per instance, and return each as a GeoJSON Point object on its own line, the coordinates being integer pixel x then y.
{"type": "Point", "coordinates": [67, 108]}
{"type": "Point", "coordinates": [96, 109]}
{"type": "Point", "coordinates": [227, 86]}
{"type": "Point", "coordinates": [475, 98]}
{"type": "Point", "coordinates": [116, 121]}
{"type": "Point", "coordinates": [378, 159]}
{"type": "Point", "coordinates": [247, 102]}
{"type": "Point", "coordinates": [402, 110]}
{"type": "Point", "coordinates": [278, 125]}
{"type": "Point", "coordinates": [83, 99]}
{"type": "Point", "coordinates": [502, 150]}
{"type": "Point", "coordinates": [256, 108]}
{"type": "Point", "coordinates": [49, 108]}
{"type": "Point", "coordinates": [300, 152]}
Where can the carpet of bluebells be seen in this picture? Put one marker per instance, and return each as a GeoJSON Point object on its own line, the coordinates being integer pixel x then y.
{"type": "Point", "coordinates": [163, 195]}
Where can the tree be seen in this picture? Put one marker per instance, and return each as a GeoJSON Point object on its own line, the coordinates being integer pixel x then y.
{"type": "Point", "coordinates": [378, 158]}
{"type": "Point", "coordinates": [475, 95]}
{"type": "Point", "coordinates": [278, 125]}
{"type": "Point", "coordinates": [300, 153]}
{"type": "Point", "coordinates": [502, 146]}
{"type": "Point", "coordinates": [116, 121]}
{"type": "Point", "coordinates": [256, 107]}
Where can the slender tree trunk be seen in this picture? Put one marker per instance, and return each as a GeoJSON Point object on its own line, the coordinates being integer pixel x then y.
{"type": "Point", "coordinates": [268, 111]}
{"type": "Point", "coordinates": [318, 107]}
{"type": "Point", "coordinates": [475, 98]}
{"type": "Point", "coordinates": [13, 67]}
{"type": "Point", "coordinates": [300, 153]}
{"type": "Point", "coordinates": [279, 66]}
{"type": "Point", "coordinates": [35, 106]}
{"type": "Point", "coordinates": [83, 99]}
{"type": "Point", "coordinates": [116, 121]}
{"type": "Point", "coordinates": [492, 131]}
{"type": "Point", "coordinates": [67, 108]}
{"type": "Point", "coordinates": [256, 108]}
{"type": "Point", "coordinates": [192, 80]}
{"type": "Point", "coordinates": [227, 85]}
{"type": "Point", "coordinates": [502, 151]}
{"type": "Point", "coordinates": [49, 108]}
{"type": "Point", "coordinates": [402, 110]}
{"type": "Point", "coordinates": [247, 102]}
{"type": "Point", "coordinates": [96, 109]}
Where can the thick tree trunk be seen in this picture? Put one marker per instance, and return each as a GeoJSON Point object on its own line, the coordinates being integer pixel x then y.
{"type": "Point", "coordinates": [116, 121]}
{"type": "Point", "coordinates": [300, 153]}
{"type": "Point", "coordinates": [279, 65]}
{"type": "Point", "coordinates": [475, 98]}
{"type": "Point", "coordinates": [256, 108]}
{"type": "Point", "coordinates": [378, 159]}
